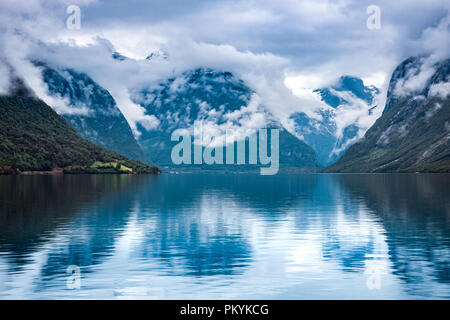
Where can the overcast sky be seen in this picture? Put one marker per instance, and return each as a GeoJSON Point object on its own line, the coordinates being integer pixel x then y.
{"type": "Point", "coordinates": [269, 43]}
{"type": "Point", "coordinates": [310, 34]}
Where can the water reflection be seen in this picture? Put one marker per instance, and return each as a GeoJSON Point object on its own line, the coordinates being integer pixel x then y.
{"type": "Point", "coordinates": [226, 236]}
{"type": "Point", "coordinates": [415, 212]}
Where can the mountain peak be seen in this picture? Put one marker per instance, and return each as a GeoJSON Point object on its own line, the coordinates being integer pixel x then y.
{"type": "Point", "coordinates": [158, 54]}
{"type": "Point", "coordinates": [350, 84]}
{"type": "Point", "coordinates": [324, 134]}
{"type": "Point", "coordinates": [414, 77]}
{"type": "Point", "coordinates": [117, 56]}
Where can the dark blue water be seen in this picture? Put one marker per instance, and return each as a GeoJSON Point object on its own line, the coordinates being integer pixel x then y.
{"type": "Point", "coordinates": [214, 236]}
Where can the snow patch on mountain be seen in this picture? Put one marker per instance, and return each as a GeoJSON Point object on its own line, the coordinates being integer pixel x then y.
{"type": "Point", "coordinates": [351, 109]}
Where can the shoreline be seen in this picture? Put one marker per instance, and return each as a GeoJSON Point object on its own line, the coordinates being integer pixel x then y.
{"type": "Point", "coordinates": [61, 172]}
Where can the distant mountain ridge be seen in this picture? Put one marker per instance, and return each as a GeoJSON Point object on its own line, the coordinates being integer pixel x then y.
{"type": "Point", "coordinates": [177, 103]}
{"type": "Point", "coordinates": [413, 134]}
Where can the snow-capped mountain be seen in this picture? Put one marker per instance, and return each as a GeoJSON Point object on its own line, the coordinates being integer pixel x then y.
{"type": "Point", "coordinates": [222, 102]}
{"type": "Point", "coordinates": [217, 98]}
{"type": "Point", "coordinates": [330, 131]}
{"type": "Point", "coordinates": [413, 134]}
{"type": "Point", "coordinates": [90, 110]}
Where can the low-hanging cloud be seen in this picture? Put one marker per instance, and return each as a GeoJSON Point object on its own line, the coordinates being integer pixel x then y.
{"type": "Point", "coordinates": [283, 50]}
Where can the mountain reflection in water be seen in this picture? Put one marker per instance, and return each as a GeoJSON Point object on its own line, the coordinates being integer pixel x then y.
{"type": "Point", "coordinates": [226, 236]}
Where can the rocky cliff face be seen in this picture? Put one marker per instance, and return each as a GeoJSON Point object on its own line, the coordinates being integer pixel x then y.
{"type": "Point", "coordinates": [413, 134]}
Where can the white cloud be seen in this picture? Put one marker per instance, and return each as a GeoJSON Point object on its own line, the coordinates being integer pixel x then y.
{"type": "Point", "coordinates": [283, 50]}
{"type": "Point", "coordinates": [430, 113]}
{"type": "Point", "coordinates": [415, 80]}
{"type": "Point", "coordinates": [441, 89]}
{"type": "Point", "coordinates": [356, 111]}
{"type": "Point", "coordinates": [5, 77]}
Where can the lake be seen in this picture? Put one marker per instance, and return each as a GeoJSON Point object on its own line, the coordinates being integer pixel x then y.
{"type": "Point", "coordinates": [225, 236]}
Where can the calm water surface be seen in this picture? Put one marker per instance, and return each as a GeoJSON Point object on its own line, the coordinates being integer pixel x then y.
{"type": "Point", "coordinates": [218, 236]}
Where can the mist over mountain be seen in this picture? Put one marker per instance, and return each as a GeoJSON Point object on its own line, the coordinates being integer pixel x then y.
{"type": "Point", "coordinates": [221, 102]}
{"type": "Point", "coordinates": [90, 110]}
{"type": "Point", "coordinates": [103, 78]}
{"type": "Point", "coordinates": [325, 132]}
{"type": "Point", "coordinates": [33, 137]}
{"type": "Point", "coordinates": [413, 134]}
{"type": "Point", "coordinates": [334, 96]}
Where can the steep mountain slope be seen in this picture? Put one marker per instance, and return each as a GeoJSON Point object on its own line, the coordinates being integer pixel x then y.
{"type": "Point", "coordinates": [92, 111]}
{"type": "Point", "coordinates": [324, 132]}
{"type": "Point", "coordinates": [413, 134]}
{"type": "Point", "coordinates": [33, 137]}
{"type": "Point", "coordinates": [221, 102]}
{"type": "Point", "coordinates": [319, 133]}
{"type": "Point", "coordinates": [408, 68]}
{"type": "Point", "coordinates": [347, 84]}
